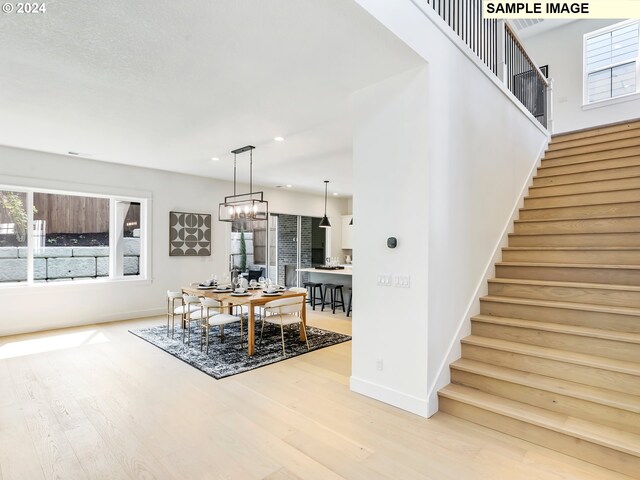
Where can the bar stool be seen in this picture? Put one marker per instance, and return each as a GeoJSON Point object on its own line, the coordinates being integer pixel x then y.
{"type": "Point", "coordinates": [314, 300]}
{"type": "Point", "coordinates": [349, 304]}
{"type": "Point", "coordinates": [335, 290]}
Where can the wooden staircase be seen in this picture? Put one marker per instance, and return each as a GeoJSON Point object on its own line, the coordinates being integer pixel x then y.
{"type": "Point", "coordinates": [554, 356]}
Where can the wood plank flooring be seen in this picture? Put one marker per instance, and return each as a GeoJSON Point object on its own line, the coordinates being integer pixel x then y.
{"type": "Point", "coordinates": [96, 402]}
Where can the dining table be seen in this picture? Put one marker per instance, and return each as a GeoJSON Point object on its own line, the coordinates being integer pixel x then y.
{"type": "Point", "coordinates": [255, 298]}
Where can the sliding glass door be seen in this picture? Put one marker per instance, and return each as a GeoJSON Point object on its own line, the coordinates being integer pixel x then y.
{"type": "Point", "coordinates": [277, 248]}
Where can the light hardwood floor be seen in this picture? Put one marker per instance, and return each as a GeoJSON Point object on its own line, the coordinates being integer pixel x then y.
{"type": "Point", "coordinates": [97, 402]}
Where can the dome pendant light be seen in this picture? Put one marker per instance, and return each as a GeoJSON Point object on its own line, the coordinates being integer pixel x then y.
{"type": "Point", "coordinates": [324, 223]}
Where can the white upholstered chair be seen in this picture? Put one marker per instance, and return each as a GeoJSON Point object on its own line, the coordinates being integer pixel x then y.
{"type": "Point", "coordinates": [212, 314]}
{"type": "Point", "coordinates": [191, 305]}
{"type": "Point", "coordinates": [172, 310]}
{"type": "Point", "coordinates": [284, 311]}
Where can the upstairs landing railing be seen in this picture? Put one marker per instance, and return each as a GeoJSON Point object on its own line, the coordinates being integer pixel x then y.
{"type": "Point", "coordinates": [499, 48]}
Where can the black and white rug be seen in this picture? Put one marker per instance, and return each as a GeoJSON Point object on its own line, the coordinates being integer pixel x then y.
{"type": "Point", "coordinates": [229, 358]}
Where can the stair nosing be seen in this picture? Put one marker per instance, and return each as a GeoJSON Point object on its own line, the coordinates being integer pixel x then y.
{"type": "Point", "coordinates": [527, 197]}
{"type": "Point", "coordinates": [528, 379]}
{"type": "Point", "coordinates": [545, 419]}
{"type": "Point", "coordinates": [569, 265]}
{"type": "Point", "coordinates": [578, 206]}
{"type": "Point", "coordinates": [631, 311]}
{"type": "Point", "coordinates": [554, 283]}
{"type": "Point", "coordinates": [573, 249]}
{"type": "Point", "coordinates": [589, 153]}
{"type": "Point", "coordinates": [589, 145]}
{"type": "Point", "coordinates": [580, 183]}
{"type": "Point", "coordinates": [570, 233]}
{"type": "Point", "coordinates": [579, 173]}
{"type": "Point", "coordinates": [581, 359]}
{"type": "Point", "coordinates": [579, 331]}
{"type": "Point", "coordinates": [609, 217]}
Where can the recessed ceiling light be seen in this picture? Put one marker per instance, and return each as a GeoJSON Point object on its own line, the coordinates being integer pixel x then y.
{"type": "Point", "coordinates": [215, 159]}
{"type": "Point", "coordinates": [279, 139]}
{"type": "Point", "coordinates": [289, 186]}
{"type": "Point", "coordinates": [335, 193]}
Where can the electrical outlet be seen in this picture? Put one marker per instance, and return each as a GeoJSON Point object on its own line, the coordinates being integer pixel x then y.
{"type": "Point", "coordinates": [402, 281]}
{"type": "Point", "coordinates": [384, 280]}
{"type": "Point", "coordinates": [379, 364]}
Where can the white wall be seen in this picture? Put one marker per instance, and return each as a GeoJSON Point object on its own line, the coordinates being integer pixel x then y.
{"type": "Point", "coordinates": [441, 157]}
{"type": "Point", "coordinates": [562, 49]}
{"type": "Point", "coordinates": [46, 306]}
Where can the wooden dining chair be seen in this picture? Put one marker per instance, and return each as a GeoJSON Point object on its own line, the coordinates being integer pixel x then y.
{"type": "Point", "coordinates": [284, 311]}
{"type": "Point", "coordinates": [211, 314]}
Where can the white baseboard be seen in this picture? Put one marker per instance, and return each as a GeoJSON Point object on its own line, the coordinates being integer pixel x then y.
{"type": "Point", "coordinates": [418, 406]}
{"type": "Point", "coordinates": [17, 328]}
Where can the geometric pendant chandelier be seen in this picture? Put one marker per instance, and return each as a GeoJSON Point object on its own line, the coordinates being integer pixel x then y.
{"type": "Point", "coordinates": [243, 207]}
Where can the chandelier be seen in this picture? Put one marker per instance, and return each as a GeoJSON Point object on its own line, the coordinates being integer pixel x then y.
{"type": "Point", "coordinates": [243, 207]}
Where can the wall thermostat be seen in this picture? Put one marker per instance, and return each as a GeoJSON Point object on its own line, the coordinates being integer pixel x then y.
{"type": "Point", "coordinates": [392, 242]}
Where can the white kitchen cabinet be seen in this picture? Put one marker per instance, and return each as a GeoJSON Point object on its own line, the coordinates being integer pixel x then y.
{"type": "Point", "coordinates": [347, 243]}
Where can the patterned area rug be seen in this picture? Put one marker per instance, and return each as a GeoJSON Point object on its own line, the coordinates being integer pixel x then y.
{"type": "Point", "coordinates": [229, 358]}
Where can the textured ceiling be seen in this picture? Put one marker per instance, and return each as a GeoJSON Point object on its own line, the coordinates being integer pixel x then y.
{"type": "Point", "coordinates": [170, 84]}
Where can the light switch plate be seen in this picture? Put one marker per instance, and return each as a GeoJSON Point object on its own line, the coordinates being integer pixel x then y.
{"type": "Point", "coordinates": [402, 281]}
{"type": "Point", "coordinates": [384, 280]}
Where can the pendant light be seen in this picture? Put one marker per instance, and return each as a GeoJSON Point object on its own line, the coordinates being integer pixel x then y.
{"type": "Point", "coordinates": [324, 223]}
{"type": "Point", "coordinates": [243, 207]}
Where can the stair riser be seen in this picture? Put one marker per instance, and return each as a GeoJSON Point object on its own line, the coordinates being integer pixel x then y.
{"type": "Point", "coordinates": [565, 404]}
{"type": "Point", "coordinates": [594, 140]}
{"type": "Point", "coordinates": [571, 274]}
{"type": "Point", "coordinates": [587, 225]}
{"type": "Point", "coordinates": [596, 198]}
{"type": "Point", "coordinates": [561, 341]}
{"type": "Point", "coordinates": [620, 382]}
{"type": "Point", "coordinates": [606, 257]}
{"type": "Point", "coordinates": [633, 141]}
{"type": "Point", "coordinates": [595, 133]}
{"type": "Point", "coordinates": [591, 157]}
{"type": "Point", "coordinates": [576, 240]}
{"type": "Point", "coordinates": [589, 211]}
{"type": "Point", "coordinates": [585, 187]}
{"type": "Point", "coordinates": [564, 316]}
{"type": "Point", "coordinates": [590, 452]}
{"type": "Point", "coordinates": [583, 177]}
{"type": "Point", "coordinates": [589, 166]}
{"type": "Point", "coordinates": [586, 295]}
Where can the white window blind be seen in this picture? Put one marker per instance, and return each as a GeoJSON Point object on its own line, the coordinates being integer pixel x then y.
{"type": "Point", "coordinates": [611, 62]}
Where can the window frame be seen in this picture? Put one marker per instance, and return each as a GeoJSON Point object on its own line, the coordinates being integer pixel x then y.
{"type": "Point", "coordinates": [585, 72]}
{"type": "Point", "coordinates": [144, 264]}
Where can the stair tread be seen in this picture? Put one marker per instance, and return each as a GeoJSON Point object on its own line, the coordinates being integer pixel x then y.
{"type": "Point", "coordinates": [623, 401]}
{"type": "Point", "coordinates": [582, 359]}
{"type": "Point", "coordinates": [554, 283]}
{"type": "Point", "coordinates": [574, 249]}
{"type": "Point", "coordinates": [562, 328]}
{"type": "Point", "coordinates": [605, 436]}
{"type": "Point", "coordinates": [622, 170]}
{"type": "Point", "coordinates": [572, 219]}
{"type": "Point", "coordinates": [551, 207]}
{"type": "Point", "coordinates": [568, 265]}
{"type": "Point", "coordinates": [566, 305]}
{"type": "Point", "coordinates": [536, 187]}
{"type": "Point", "coordinates": [601, 129]}
{"type": "Point", "coordinates": [527, 197]}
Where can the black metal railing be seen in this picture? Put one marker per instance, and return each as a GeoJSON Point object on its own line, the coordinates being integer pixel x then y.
{"type": "Point", "coordinates": [524, 79]}
{"type": "Point", "coordinates": [499, 49]}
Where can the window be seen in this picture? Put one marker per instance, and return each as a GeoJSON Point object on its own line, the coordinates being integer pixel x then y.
{"type": "Point", "coordinates": [50, 236]}
{"type": "Point", "coordinates": [611, 62]}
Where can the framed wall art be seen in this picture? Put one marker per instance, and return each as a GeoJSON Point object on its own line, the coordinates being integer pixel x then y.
{"type": "Point", "coordinates": [189, 234]}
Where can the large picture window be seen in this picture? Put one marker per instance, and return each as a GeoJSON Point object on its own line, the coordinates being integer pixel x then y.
{"type": "Point", "coordinates": [48, 236]}
{"type": "Point", "coordinates": [611, 62]}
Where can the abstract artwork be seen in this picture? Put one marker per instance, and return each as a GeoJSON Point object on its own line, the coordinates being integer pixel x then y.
{"type": "Point", "coordinates": [189, 234]}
